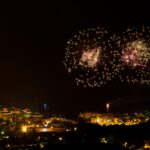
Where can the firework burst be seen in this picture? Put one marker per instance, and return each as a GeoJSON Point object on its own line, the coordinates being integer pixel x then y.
{"type": "Point", "coordinates": [90, 59]}
{"type": "Point", "coordinates": [134, 48]}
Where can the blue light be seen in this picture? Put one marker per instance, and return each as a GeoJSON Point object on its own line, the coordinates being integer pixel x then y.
{"type": "Point", "coordinates": [45, 106]}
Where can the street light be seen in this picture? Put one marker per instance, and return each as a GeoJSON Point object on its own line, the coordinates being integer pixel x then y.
{"type": "Point", "coordinates": [24, 129]}
{"type": "Point", "coordinates": [107, 107]}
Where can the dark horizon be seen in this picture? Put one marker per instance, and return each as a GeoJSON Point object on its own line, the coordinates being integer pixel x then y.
{"type": "Point", "coordinates": [33, 37]}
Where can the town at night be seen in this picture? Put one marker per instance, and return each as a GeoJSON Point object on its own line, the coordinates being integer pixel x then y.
{"type": "Point", "coordinates": [24, 129]}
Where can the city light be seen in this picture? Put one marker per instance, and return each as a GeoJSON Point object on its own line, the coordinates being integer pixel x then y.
{"type": "Point", "coordinates": [107, 107]}
{"type": "Point", "coordinates": [60, 138]}
{"type": "Point", "coordinates": [24, 129]}
{"type": "Point", "coordinates": [2, 132]}
{"type": "Point", "coordinates": [44, 130]}
{"type": "Point", "coordinates": [75, 128]}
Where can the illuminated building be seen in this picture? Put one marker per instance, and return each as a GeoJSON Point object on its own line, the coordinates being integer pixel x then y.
{"type": "Point", "coordinates": [110, 119]}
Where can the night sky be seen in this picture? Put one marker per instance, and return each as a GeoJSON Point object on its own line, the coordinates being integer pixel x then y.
{"type": "Point", "coordinates": [33, 37]}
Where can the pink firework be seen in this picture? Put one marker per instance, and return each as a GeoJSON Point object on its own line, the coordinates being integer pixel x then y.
{"type": "Point", "coordinates": [135, 54]}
